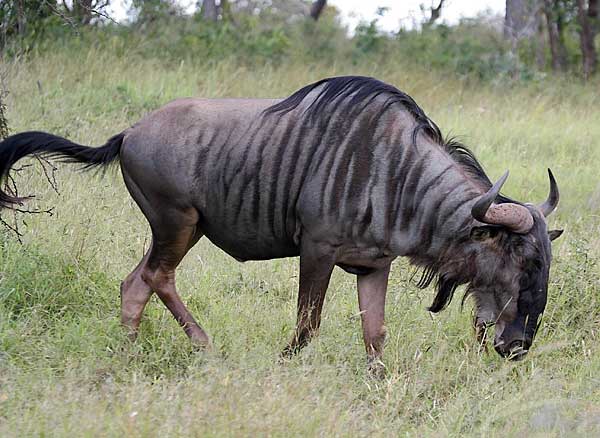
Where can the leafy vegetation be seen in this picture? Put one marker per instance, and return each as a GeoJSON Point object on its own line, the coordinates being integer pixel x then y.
{"type": "Point", "coordinates": [475, 48]}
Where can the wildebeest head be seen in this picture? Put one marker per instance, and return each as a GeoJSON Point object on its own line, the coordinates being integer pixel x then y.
{"type": "Point", "coordinates": [505, 261]}
{"type": "Point", "coordinates": [512, 265]}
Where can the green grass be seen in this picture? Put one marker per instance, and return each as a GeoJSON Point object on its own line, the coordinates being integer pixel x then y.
{"type": "Point", "coordinates": [66, 368]}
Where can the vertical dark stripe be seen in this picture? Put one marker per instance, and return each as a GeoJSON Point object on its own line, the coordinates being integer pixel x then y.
{"type": "Point", "coordinates": [291, 169]}
{"type": "Point", "coordinates": [254, 169]}
{"type": "Point", "coordinates": [298, 178]}
{"type": "Point", "coordinates": [411, 184]}
{"type": "Point", "coordinates": [432, 183]}
{"type": "Point", "coordinates": [356, 138]}
{"type": "Point", "coordinates": [280, 148]}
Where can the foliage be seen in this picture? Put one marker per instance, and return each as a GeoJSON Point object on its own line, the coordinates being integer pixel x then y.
{"type": "Point", "coordinates": [148, 11]}
{"type": "Point", "coordinates": [32, 18]}
{"type": "Point", "coordinates": [470, 48]}
{"type": "Point", "coordinates": [367, 38]}
{"type": "Point", "coordinates": [277, 32]}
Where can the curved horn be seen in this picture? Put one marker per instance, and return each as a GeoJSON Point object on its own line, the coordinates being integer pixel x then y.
{"type": "Point", "coordinates": [515, 217]}
{"type": "Point", "coordinates": [550, 204]}
{"type": "Point", "coordinates": [481, 207]}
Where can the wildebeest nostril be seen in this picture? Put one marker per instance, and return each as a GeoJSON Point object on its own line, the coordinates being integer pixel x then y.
{"type": "Point", "coordinates": [516, 350]}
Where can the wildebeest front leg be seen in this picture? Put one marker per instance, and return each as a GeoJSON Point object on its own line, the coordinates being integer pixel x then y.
{"type": "Point", "coordinates": [316, 265]}
{"type": "Point", "coordinates": [371, 300]}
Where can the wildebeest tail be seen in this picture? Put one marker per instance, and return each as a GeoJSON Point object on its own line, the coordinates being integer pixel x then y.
{"type": "Point", "coordinates": [15, 147]}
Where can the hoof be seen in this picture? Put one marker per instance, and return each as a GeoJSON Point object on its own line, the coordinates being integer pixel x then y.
{"type": "Point", "coordinates": [289, 351]}
{"type": "Point", "coordinates": [202, 345]}
{"type": "Point", "coordinates": [283, 359]}
{"type": "Point", "coordinates": [131, 333]}
{"type": "Point", "coordinates": [376, 368]}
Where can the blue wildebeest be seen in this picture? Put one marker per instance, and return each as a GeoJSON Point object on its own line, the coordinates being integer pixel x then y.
{"type": "Point", "coordinates": [348, 171]}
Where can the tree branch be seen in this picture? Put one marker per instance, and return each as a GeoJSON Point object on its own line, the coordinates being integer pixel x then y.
{"type": "Point", "coordinates": [10, 187]}
{"type": "Point", "coordinates": [317, 8]}
{"type": "Point", "coordinates": [435, 12]}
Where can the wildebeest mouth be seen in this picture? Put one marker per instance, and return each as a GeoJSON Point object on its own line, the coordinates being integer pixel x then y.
{"type": "Point", "coordinates": [515, 351]}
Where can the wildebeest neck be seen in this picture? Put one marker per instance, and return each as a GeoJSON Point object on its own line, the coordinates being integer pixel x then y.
{"type": "Point", "coordinates": [434, 196]}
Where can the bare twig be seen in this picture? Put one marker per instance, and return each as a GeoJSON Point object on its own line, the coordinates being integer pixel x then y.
{"type": "Point", "coordinates": [68, 20]}
{"type": "Point", "coordinates": [98, 11]}
{"type": "Point", "coordinates": [12, 229]}
{"type": "Point", "coordinates": [50, 177]}
{"type": "Point", "coordinates": [10, 187]}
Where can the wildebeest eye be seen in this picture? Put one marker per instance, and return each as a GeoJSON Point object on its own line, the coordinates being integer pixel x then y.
{"type": "Point", "coordinates": [526, 281]}
{"type": "Point", "coordinates": [484, 232]}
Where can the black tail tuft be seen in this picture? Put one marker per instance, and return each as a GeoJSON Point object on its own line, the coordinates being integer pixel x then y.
{"type": "Point", "coordinates": [20, 145]}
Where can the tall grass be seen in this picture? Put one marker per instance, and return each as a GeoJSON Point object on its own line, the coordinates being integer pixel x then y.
{"type": "Point", "coordinates": [67, 369]}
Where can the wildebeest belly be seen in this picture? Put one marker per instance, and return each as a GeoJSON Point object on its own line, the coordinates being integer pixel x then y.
{"type": "Point", "coordinates": [244, 240]}
{"type": "Point", "coordinates": [249, 203]}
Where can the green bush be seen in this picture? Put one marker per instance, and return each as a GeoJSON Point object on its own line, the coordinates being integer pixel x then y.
{"type": "Point", "coordinates": [470, 48]}
{"type": "Point", "coordinates": [473, 48]}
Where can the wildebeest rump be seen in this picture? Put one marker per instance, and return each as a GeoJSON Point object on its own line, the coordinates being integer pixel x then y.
{"type": "Point", "coordinates": [348, 171]}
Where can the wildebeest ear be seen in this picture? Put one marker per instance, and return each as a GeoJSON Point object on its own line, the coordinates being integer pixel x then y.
{"type": "Point", "coordinates": [484, 232]}
{"type": "Point", "coordinates": [555, 234]}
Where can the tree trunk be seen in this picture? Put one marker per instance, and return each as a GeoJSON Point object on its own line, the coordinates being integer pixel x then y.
{"type": "Point", "coordinates": [226, 14]}
{"type": "Point", "coordinates": [540, 40]}
{"type": "Point", "coordinates": [586, 36]}
{"type": "Point", "coordinates": [593, 11]}
{"type": "Point", "coordinates": [82, 10]}
{"type": "Point", "coordinates": [3, 122]}
{"type": "Point", "coordinates": [21, 21]}
{"type": "Point", "coordinates": [593, 18]}
{"type": "Point", "coordinates": [520, 18]}
{"type": "Point", "coordinates": [316, 9]}
{"type": "Point", "coordinates": [560, 26]}
{"type": "Point", "coordinates": [522, 22]}
{"type": "Point", "coordinates": [555, 36]}
{"type": "Point", "coordinates": [209, 10]}
{"type": "Point", "coordinates": [436, 12]}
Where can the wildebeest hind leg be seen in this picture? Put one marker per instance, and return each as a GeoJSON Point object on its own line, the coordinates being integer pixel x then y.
{"type": "Point", "coordinates": [135, 293]}
{"type": "Point", "coordinates": [172, 239]}
{"type": "Point", "coordinates": [316, 265]}
{"type": "Point", "coordinates": [174, 231]}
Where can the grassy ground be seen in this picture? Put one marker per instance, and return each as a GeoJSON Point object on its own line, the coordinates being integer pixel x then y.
{"type": "Point", "coordinates": [66, 368]}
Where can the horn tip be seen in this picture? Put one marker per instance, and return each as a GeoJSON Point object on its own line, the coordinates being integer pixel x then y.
{"type": "Point", "coordinates": [550, 204]}
{"type": "Point", "coordinates": [503, 179]}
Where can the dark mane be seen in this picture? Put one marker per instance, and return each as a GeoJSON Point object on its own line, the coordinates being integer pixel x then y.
{"type": "Point", "coordinates": [359, 91]}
